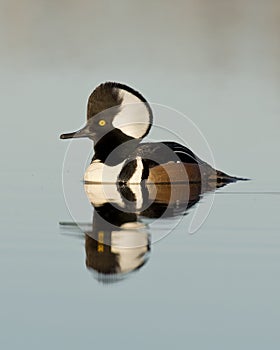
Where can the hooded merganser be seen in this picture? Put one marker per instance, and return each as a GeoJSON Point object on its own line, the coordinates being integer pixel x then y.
{"type": "Point", "coordinates": [118, 118]}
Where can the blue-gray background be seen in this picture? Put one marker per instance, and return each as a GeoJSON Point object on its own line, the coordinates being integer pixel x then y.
{"type": "Point", "coordinates": [215, 61]}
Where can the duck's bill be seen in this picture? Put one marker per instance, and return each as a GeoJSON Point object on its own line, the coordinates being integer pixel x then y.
{"type": "Point", "coordinates": [84, 132]}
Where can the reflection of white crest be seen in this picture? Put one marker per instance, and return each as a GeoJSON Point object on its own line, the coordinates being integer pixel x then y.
{"type": "Point", "coordinates": [114, 254]}
{"type": "Point", "coordinates": [131, 247]}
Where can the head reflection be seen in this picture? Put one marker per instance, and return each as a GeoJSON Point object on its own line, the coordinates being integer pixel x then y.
{"type": "Point", "coordinates": [117, 244]}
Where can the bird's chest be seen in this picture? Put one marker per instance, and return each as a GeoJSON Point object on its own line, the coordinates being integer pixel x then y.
{"type": "Point", "coordinates": [99, 172]}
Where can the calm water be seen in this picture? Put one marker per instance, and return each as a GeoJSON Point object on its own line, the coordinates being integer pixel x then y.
{"type": "Point", "coordinates": [218, 286]}
{"type": "Point", "coordinates": [218, 63]}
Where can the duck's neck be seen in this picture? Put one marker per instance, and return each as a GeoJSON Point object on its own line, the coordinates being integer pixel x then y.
{"type": "Point", "coordinates": [114, 147]}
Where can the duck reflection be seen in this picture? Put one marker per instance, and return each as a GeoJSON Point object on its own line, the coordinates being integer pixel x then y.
{"type": "Point", "coordinates": [118, 242]}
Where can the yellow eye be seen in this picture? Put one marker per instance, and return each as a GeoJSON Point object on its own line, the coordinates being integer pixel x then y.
{"type": "Point", "coordinates": [102, 122]}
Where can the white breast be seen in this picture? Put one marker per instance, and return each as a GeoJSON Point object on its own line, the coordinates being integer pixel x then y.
{"type": "Point", "coordinates": [99, 172]}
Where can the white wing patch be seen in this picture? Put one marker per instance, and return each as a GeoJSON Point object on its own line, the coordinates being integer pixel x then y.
{"type": "Point", "coordinates": [134, 117]}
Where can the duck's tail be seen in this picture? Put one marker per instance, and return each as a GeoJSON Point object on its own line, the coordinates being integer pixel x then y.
{"type": "Point", "coordinates": [225, 178]}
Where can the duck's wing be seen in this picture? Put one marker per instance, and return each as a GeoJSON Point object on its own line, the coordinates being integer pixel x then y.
{"type": "Point", "coordinates": [172, 162]}
{"type": "Point", "coordinates": [164, 152]}
{"type": "Point", "coordinates": [155, 157]}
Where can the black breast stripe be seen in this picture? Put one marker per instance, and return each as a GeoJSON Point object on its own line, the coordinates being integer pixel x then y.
{"type": "Point", "coordinates": [127, 170]}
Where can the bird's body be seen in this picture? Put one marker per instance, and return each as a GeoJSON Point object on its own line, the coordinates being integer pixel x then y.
{"type": "Point", "coordinates": [118, 118]}
{"type": "Point", "coordinates": [161, 162]}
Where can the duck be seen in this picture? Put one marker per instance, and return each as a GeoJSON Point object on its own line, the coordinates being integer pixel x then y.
{"type": "Point", "coordinates": [118, 119]}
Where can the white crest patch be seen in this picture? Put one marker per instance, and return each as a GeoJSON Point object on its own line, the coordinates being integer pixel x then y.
{"type": "Point", "coordinates": [133, 118]}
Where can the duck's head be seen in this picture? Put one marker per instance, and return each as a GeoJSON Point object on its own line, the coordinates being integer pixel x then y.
{"type": "Point", "coordinates": [117, 111]}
